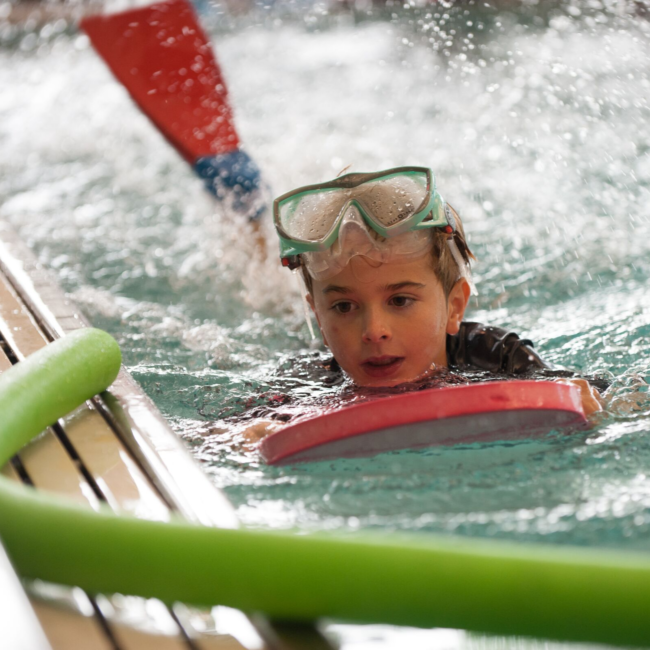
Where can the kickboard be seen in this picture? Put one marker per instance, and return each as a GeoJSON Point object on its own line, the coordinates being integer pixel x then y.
{"type": "Point", "coordinates": [164, 59]}
{"type": "Point", "coordinates": [504, 410]}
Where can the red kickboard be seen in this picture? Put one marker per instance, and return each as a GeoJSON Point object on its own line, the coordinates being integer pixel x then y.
{"type": "Point", "coordinates": [164, 59]}
{"type": "Point", "coordinates": [506, 410]}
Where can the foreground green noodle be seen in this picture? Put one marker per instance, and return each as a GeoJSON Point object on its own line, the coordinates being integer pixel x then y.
{"type": "Point", "coordinates": [572, 594]}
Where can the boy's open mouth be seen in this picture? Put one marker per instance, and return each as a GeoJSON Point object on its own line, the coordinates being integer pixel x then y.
{"type": "Point", "coordinates": [383, 366]}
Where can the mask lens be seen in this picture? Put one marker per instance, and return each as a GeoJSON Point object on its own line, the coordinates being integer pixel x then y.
{"type": "Point", "coordinates": [311, 216]}
{"type": "Point", "coordinates": [394, 199]}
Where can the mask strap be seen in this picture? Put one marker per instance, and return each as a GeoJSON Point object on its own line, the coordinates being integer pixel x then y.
{"type": "Point", "coordinates": [462, 265]}
{"type": "Point", "coordinates": [302, 287]}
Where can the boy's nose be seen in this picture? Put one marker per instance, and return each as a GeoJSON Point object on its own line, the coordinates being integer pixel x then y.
{"type": "Point", "coordinates": [375, 328]}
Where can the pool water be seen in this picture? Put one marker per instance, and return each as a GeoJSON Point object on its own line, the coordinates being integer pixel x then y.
{"type": "Point", "coordinates": [535, 121]}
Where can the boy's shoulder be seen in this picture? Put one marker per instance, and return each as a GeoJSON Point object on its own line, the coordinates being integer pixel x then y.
{"type": "Point", "coordinates": [495, 349]}
{"type": "Point", "coordinates": [500, 352]}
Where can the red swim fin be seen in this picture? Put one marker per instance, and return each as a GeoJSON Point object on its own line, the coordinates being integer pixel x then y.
{"type": "Point", "coordinates": [164, 59]}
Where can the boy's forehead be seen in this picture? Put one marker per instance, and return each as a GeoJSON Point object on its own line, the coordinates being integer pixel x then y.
{"type": "Point", "coordinates": [335, 288]}
{"type": "Point", "coordinates": [364, 274]}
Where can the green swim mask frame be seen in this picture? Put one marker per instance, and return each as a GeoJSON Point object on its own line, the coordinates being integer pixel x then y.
{"type": "Point", "coordinates": [391, 202]}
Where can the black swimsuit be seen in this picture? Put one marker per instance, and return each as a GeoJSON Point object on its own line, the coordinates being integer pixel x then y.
{"type": "Point", "coordinates": [483, 347]}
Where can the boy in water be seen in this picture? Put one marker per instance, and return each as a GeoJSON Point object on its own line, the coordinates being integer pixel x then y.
{"type": "Point", "coordinates": [386, 266]}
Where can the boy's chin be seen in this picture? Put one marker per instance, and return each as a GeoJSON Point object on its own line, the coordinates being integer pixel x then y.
{"type": "Point", "coordinates": [367, 380]}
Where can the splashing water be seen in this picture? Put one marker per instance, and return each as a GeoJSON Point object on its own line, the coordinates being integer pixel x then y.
{"type": "Point", "coordinates": [535, 123]}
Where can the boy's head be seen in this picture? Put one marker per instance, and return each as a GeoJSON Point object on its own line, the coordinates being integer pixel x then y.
{"type": "Point", "coordinates": [385, 262]}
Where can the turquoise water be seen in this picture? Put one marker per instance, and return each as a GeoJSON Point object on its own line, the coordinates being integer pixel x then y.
{"type": "Point", "coordinates": [536, 124]}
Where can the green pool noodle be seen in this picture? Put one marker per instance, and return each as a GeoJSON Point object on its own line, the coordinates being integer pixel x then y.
{"type": "Point", "coordinates": [423, 580]}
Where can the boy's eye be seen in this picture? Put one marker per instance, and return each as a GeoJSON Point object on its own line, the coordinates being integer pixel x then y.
{"type": "Point", "coordinates": [400, 301]}
{"type": "Point", "coordinates": [343, 307]}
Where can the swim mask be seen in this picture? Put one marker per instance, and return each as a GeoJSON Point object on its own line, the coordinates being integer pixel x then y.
{"type": "Point", "coordinates": [382, 216]}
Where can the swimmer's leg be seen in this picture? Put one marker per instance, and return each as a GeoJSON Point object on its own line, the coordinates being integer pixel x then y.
{"type": "Point", "coordinates": [165, 60]}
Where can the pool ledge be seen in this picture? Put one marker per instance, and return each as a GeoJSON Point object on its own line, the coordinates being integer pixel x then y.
{"type": "Point", "coordinates": [116, 449]}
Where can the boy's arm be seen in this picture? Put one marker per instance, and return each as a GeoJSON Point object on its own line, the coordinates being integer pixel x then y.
{"type": "Point", "coordinates": [244, 437]}
{"type": "Point", "coordinates": [259, 429]}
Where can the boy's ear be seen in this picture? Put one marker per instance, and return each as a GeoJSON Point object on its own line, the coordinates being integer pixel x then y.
{"type": "Point", "coordinates": [456, 305]}
{"type": "Point", "coordinates": [312, 304]}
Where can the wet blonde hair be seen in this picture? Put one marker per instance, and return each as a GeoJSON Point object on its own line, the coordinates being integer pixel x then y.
{"type": "Point", "coordinates": [442, 261]}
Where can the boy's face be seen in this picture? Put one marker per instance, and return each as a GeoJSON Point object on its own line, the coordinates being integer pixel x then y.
{"type": "Point", "coordinates": [388, 324]}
